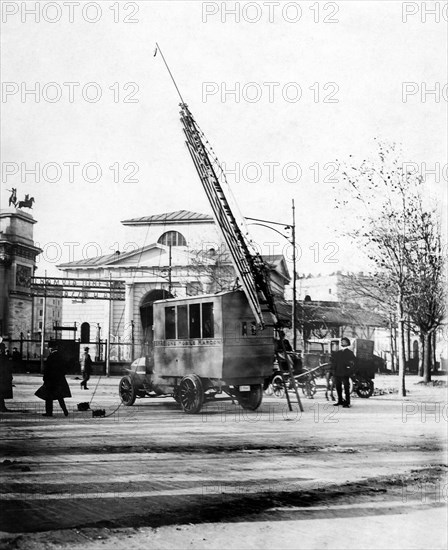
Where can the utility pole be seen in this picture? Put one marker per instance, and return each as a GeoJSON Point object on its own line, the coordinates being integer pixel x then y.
{"type": "Point", "coordinates": [169, 269]}
{"type": "Point", "coordinates": [42, 334]}
{"type": "Point", "coordinates": [294, 277]}
{"type": "Point", "coordinates": [109, 322]}
{"type": "Point", "coordinates": [294, 259]}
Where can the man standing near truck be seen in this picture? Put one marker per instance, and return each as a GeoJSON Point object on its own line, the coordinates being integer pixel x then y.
{"type": "Point", "coordinates": [343, 363]}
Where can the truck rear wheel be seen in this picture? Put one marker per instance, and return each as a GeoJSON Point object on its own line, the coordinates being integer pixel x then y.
{"type": "Point", "coordinates": [252, 399]}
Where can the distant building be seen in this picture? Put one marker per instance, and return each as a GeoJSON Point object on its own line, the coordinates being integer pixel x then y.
{"type": "Point", "coordinates": [53, 314]}
{"type": "Point", "coordinates": [328, 288]}
{"type": "Point", "coordinates": [333, 308]}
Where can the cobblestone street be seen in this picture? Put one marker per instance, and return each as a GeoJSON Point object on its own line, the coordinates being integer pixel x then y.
{"type": "Point", "coordinates": [82, 480]}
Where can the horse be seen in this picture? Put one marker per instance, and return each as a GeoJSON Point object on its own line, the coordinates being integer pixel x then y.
{"type": "Point", "coordinates": [27, 203]}
{"type": "Point", "coordinates": [326, 372]}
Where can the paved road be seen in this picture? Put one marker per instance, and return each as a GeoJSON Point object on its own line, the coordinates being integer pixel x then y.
{"type": "Point", "coordinates": [150, 465]}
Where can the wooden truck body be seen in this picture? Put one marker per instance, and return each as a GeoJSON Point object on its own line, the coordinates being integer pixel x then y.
{"type": "Point", "coordinates": [203, 346]}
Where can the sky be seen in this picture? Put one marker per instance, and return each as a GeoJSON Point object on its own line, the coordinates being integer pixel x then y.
{"type": "Point", "coordinates": [313, 82]}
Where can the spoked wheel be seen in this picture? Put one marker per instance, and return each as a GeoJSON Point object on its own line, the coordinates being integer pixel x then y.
{"type": "Point", "coordinates": [191, 394]}
{"type": "Point", "coordinates": [309, 388]}
{"type": "Point", "coordinates": [278, 387]}
{"type": "Point", "coordinates": [364, 388]}
{"type": "Point", "coordinates": [252, 399]}
{"type": "Point", "coordinates": [127, 391]}
{"type": "Point", "coordinates": [267, 386]}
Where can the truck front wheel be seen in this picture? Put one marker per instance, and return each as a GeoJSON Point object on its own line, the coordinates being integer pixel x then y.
{"type": "Point", "coordinates": [127, 391]}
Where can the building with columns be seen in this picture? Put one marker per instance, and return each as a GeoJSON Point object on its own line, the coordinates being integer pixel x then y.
{"type": "Point", "coordinates": [17, 265]}
{"type": "Point", "coordinates": [185, 256]}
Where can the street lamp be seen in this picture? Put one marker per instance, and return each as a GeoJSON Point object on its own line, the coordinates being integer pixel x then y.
{"type": "Point", "coordinates": [294, 274]}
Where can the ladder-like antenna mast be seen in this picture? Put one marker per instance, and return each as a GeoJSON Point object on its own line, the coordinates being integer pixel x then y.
{"type": "Point", "coordinates": [251, 270]}
{"type": "Point", "coordinates": [168, 69]}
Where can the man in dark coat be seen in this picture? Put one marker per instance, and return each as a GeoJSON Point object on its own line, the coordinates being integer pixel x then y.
{"type": "Point", "coordinates": [86, 368]}
{"type": "Point", "coordinates": [343, 362]}
{"type": "Point", "coordinates": [55, 385]}
{"type": "Point", "coordinates": [5, 380]}
{"type": "Point", "coordinates": [282, 344]}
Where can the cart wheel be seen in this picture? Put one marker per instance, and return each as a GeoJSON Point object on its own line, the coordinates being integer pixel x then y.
{"type": "Point", "coordinates": [191, 393]}
{"type": "Point", "coordinates": [364, 388]}
{"type": "Point", "coordinates": [127, 391]}
{"type": "Point", "coordinates": [278, 387]}
{"type": "Point", "coordinates": [309, 388]}
{"type": "Point", "coordinates": [251, 400]}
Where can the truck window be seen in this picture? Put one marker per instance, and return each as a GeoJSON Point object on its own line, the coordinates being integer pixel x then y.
{"type": "Point", "coordinates": [182, 322]}
{"type": "Point", "coordinates": [195, 321]}
{"type": "Point", "coordinates": [170, 323]}
{"type": "Point", "coordinates": [207, 320]}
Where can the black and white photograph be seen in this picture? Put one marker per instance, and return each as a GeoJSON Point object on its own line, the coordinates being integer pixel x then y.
{"type": "Point", "coordinates": [223, 275]}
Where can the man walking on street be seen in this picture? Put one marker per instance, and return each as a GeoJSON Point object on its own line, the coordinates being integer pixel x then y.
{"type": "Point", "coordinates": [55, 386]}
{"type": "Point", "coordinates": [86, 368]}
{"type": "Point", "coordinates": [343, 363]}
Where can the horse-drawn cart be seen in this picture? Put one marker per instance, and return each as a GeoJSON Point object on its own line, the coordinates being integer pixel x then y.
{"type": "Point", "coordinates": [317, 358]}
{"type": "Point", "coordinates": [205, 347]}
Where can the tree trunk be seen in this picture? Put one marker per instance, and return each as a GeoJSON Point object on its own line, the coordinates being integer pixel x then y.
{"type": "Point", "coordinates": [408, 339]}
{"type": "Point", "coordinates": [427, 358]}
{"type": "Point", "coordinates": [421, 354]}
{"type": "Point", "coordinates": [403, 345]}
{"type": "Point", "coordinates": [392, 350]}
{"type": "Point", "coordinates": [433, 348]}
{"type": "Point", "coordinates": [401, 356]}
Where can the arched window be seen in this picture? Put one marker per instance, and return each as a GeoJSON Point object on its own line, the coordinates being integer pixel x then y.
{"type": "Point", "coordinates": [172, 238]}
{"type": "Point", "coordinates": [85, 332]}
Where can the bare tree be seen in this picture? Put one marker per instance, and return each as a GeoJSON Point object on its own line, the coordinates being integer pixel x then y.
{"type": "Point", "coordinates": [213, 269]}
{"type": "Point", "coordinates": [426, 298]}
{"type": "Point", "coordinates": [374, 291]}
{"type": "Point", "coordinates": [386, 204]}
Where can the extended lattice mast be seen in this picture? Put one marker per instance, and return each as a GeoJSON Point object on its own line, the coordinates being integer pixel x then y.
{"type": "Point", "coordinates": [250, 268]}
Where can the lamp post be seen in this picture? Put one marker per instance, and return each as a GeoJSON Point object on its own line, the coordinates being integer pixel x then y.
{"type": "Point", "coordinates": [294, 288]}
{"type": "Point", "coordinates": [42, 334]}
{"type": "Point", "coordinates": [294, 273]}
{"type": "Point", "coordinates": [28, 337]}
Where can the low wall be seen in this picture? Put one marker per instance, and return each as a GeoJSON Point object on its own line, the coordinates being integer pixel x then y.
{"type": "Point", "coordinates": [98, 367]}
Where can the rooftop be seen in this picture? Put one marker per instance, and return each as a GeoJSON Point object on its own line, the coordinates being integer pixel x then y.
{"type": "Point", "coordinates": [178, 217]}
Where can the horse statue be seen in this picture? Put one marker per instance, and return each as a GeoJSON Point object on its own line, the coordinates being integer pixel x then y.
{"type": "Point", "coordinates": [27, 203]}
{"type": "Point", "coordinates": [12, 197]}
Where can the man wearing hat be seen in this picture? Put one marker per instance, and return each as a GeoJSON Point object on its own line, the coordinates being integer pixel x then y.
{"type": "Point", "coordinates": [343, 362]}
{"type": "Point", "coordinates": [55, 387]}
{"type": "Point", "coordinates": [86, 368]}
